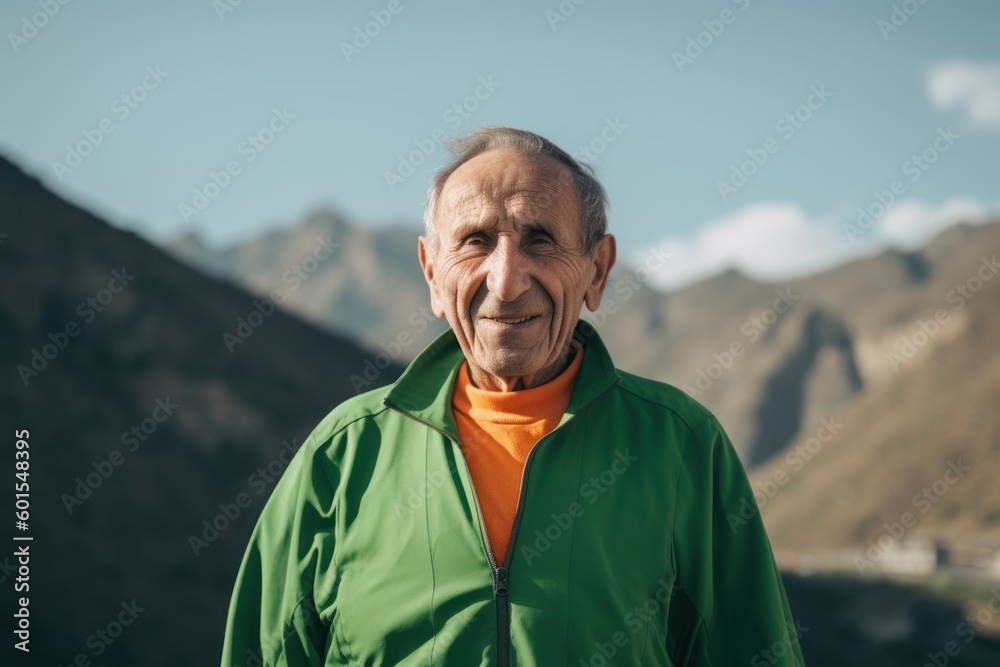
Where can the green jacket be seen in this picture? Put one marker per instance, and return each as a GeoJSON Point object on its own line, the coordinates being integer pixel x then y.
{"type": "Point", "coordinates": [372, 549]}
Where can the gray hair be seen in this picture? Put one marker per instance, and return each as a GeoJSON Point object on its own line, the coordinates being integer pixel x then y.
{"type": "Point", "coordinates": [592, 197]}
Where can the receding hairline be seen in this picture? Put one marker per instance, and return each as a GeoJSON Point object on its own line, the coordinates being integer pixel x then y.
{"type": "Point", "coordinates": [558, 172]}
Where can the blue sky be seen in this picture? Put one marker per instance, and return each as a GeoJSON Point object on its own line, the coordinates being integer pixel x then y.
{"type": "Point", "coordinates": [338, 120]}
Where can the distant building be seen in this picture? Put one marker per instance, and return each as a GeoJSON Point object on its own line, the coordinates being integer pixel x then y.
{"type": "Point", "coordinates": [924, 556]}
{"type": "Point", "coordinates": [914, 556]}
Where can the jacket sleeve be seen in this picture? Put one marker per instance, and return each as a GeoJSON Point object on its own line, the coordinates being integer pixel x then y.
{"type": "Point", "coordinates": [273, 620]}
{"type": "Point", "coordinates": [730, 606]}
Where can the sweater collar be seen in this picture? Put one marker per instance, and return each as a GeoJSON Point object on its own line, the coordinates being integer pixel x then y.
{"type": "Point", "coordinates": [524, 406]}
{"type": "Point", "coordinates": [424, 390]}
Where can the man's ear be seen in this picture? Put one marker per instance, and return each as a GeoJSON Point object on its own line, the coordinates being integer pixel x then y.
{"type": "Point", "coordinates": [604, 257]}
{"type": "Point", "coordinates": [427, 266]}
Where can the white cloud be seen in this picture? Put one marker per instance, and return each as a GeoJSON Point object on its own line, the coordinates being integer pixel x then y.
{"type": "Point", "coordinates": [910, 223]}
{"type": "Point", "coordinates": [761, 240]}
{"type": "Point", "coordinates": [972, 87]}
{"type": "Point", "coordinates": [776, 241]}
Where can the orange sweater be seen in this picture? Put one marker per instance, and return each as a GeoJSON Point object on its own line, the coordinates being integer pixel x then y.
{"type": "Point", "coordinates": [497, 430]}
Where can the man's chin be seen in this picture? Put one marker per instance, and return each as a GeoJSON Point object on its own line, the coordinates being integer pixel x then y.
{"type": "Point", "coordinates": [513, 363]}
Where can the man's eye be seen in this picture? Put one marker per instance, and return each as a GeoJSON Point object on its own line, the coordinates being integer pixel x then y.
{"type": "Point", "coordinates": [476, 240]}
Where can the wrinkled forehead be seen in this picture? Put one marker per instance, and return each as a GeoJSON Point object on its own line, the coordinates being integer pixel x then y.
{"type": "Point", "coordinates": [507, 182]}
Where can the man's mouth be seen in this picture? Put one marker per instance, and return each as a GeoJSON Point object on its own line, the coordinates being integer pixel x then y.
{"type": "Point", "coordinates": [513, 320]}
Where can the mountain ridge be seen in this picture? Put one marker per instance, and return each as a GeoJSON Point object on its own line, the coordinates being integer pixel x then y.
{"type": "Point", "coordinates": [153, 441]}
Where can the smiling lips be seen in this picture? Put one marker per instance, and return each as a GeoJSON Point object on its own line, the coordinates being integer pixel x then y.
{"type": "Point", "coordinates": [512, 320]}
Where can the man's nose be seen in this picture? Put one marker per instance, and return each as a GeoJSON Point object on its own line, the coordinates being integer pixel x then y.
{"type": "Point", "coordinates": [508, 276]}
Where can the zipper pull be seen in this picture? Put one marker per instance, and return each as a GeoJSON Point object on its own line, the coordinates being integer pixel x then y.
{"type": "Point", "coordinates": [500, 581]}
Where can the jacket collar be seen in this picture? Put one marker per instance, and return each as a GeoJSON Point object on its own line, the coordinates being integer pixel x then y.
{"type": "Point", "coordinates": [424, 390]}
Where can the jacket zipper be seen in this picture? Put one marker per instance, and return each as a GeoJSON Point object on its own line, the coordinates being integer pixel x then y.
{"type": "Point", "coordinates": [501, 572]}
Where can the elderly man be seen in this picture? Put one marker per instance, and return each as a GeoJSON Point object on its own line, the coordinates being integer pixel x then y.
{"type": "Point", "coordinates": [513, 498]}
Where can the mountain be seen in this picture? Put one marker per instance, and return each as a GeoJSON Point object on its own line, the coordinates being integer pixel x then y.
{"type": "Point", "coordinates": [770, 359]}
{"type": "Point", "coordinates": [160, 407]}
{"type": "Point", "coordinates": [370, 288]}
{"type": "Point", "coordinates": [794, 367]}
{"type": "Point", "coordinates": [934, 407]}
{"type": "Point", "coordinates": [155, 437]}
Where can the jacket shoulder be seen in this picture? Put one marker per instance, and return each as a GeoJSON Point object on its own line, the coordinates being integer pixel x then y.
{"type": "Point", "coordinates": [665, 396]}
{"type": "Point", "coordinates": [361, 406]}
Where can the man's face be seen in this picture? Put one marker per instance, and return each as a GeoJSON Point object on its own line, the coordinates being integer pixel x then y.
{"type": "Point", "coordinates": [507, 266]}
